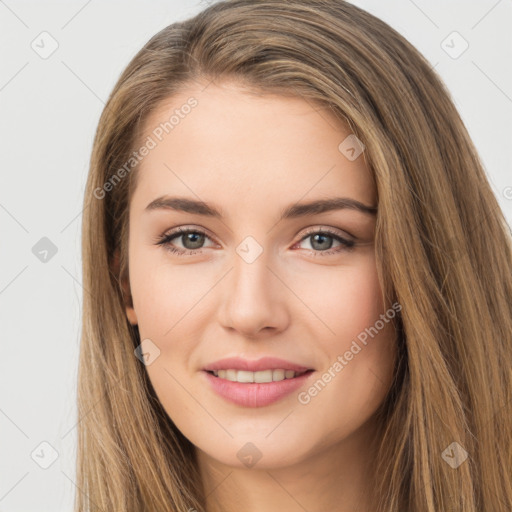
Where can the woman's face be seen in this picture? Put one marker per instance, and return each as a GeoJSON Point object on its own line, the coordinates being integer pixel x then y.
{"type": "Point", "coordinates": [250, 283]}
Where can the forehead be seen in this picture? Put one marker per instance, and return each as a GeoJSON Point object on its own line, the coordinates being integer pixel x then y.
{"type": "Point", "coordinates": [226, 144]}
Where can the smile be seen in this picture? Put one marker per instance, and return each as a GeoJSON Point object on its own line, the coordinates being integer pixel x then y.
{"type": "Point", "coordinates": [255, 389]}
{"type": "Point", "coordinates": [260, 377]}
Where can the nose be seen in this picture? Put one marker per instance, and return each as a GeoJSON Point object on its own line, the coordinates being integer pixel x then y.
{"type": "Point", "coordinates": [254, 298]}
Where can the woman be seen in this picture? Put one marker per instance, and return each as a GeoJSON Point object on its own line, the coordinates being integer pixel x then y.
{"type": "Point", "coordinates": [299, 280]}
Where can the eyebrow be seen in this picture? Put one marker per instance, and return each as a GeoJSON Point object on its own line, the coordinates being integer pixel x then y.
{"type": "Point", "coordinates": [187, 205]}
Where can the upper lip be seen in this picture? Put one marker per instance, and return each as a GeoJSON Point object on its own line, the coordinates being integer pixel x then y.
{"type": "Point", "coordinates": [265, 363]}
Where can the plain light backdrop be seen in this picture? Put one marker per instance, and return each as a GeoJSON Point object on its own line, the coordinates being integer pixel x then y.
{"type": "Point", "coordinates": [50, 104]}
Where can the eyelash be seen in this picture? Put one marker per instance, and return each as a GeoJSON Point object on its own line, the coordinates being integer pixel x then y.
{"type": "Point", "coordinates": [165, 241]}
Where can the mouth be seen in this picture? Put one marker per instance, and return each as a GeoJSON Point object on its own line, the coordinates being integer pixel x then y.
{"type": "Point", "coordinates": [256, 389]}
{"type": "Point", "coordinates": [259, 377]}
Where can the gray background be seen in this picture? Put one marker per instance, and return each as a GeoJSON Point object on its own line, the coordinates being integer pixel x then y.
{"type": "Point", "coordinates": [49, 109]}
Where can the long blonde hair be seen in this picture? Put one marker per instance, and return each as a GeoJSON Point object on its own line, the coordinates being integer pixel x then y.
{"type": "Point", "coordinates": [443, 251]}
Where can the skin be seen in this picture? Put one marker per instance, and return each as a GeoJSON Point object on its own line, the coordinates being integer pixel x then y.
{"type": "Point", "coordinates": [288, 303]}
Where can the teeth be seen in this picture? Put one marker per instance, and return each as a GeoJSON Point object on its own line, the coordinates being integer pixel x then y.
{"type": "Point", "coordinates": [243, 376]}
{"type": "Point", "coordinates": [281, 375]}
{"type": "Point", "coordinates": [258, 377]}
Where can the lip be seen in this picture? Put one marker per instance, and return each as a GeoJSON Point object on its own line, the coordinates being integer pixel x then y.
{"type": "Point", "coordinates": [254, 394]}
{"type": "Point", "coordinates": [265, 363]}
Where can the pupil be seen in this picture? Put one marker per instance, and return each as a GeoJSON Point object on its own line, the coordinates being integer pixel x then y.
{"type": "Point", "coordinates": [319, 236]}
{"type": "Point", "coordinates": [196, 244]}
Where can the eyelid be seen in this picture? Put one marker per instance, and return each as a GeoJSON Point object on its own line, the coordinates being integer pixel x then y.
{"type": "Point", "coordinates": [185, 229]}
{"type": "Point", "coordinates": [328, 229]}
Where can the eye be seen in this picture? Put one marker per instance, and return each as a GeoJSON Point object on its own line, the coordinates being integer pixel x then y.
{"type": "Point", "coordinates": [191, 239]}
{"type": "Point", "coordinates": [321, 242]}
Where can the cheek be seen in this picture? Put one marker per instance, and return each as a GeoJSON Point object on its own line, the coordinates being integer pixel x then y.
{"type": "Point", "coordinates": [344, 301]}
{"type": "Point", "coordinates": [164, 295]}
{"type": "Point", "coordinates": [360, 351]}
{"type": "Point", "coordinates": [168, 299]}
{"type": "Point", "coordinates": [355, 326]}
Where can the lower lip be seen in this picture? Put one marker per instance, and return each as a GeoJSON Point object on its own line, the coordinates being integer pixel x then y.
{"type": "Point", "coordinates": [253, 394]}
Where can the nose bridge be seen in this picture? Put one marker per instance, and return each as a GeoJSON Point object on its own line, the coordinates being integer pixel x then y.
{"type": "Point", "coordinates": [252, 300]}
{"type": "Point", "coordinates": [250, 273]}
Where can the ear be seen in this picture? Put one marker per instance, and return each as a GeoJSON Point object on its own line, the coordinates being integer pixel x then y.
{"type": "Point", "coordinates": [124, 283]}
